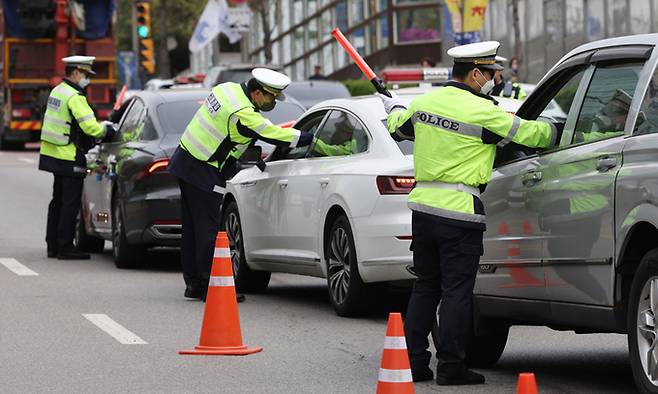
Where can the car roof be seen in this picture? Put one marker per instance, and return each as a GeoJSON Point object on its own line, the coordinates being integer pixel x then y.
{"type": "Point", "coordinates": [156, 97]}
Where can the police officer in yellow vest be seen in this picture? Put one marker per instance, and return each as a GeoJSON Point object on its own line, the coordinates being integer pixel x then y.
{"type": "Point", "coordinates": [506, 88]}
{"type": "Point", "coordinates": [69, 129]}
{"type": "Point", "coordinates": [227, 122]}
{"type": "Point", "coordinates": [456, 129]}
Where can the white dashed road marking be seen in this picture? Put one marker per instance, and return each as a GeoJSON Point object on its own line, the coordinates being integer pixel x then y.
{"type": "Point", "coordinates": [19, 269]}
{"type": "Point", "coordinates": [114, 329]}
{"type": "Point", "coordinates": [26, 160]}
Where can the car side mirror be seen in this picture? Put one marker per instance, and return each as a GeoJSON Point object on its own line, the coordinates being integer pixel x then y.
{"type": "Point", "coordinates": [253, 156]}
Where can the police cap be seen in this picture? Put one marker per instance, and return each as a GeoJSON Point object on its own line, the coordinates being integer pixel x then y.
{"type": "Point", "coordinates": [80, 62]}
{"type": "Point", "coordinates": [481, 54]}
{"type": "Point", "coordinates": [272, 81]}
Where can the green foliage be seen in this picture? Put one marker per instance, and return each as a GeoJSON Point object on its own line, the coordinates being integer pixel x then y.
{"type": "Point", "coordinates": [359, 87]}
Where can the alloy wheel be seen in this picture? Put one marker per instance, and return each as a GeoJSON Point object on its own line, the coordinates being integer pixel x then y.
{"type": "Point", "coordinates": [339, 265]}
{"type": "Point", "coordinates": [647, 330]}
{"type": "Point", "coordinates": [234, 239]}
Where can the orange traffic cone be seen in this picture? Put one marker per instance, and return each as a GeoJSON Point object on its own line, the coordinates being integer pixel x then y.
{"type": "Point", "coordinates": [220, 331]}
{"type": "Point", "coordinates": [395, 371]}
{"type": "Point", "coordinates": [526, 384]}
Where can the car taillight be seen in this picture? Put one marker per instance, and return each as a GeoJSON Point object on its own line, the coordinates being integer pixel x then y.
{"type": "Point", "coordinates": [159, 165]}
{"type": "Point", "coordinates": [104, 113]}
{"type": "Point", "coordinates": [18, 96]}
{"type": "Point", "coordinates": [287, 124]}
{"type": "Point", "coordinates": [395, 184]}
{"type": "Point", "coordinates": [21, 113]}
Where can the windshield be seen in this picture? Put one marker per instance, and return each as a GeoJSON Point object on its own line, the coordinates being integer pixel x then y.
{"type": "Point", "coordinates": [175, 116]}
{"type": "Point", "coordinates": [312, 93]}
{"type": "Point", "coordinates": [237, 76]}
{"type": "Point", "coordinates": [283, 112]}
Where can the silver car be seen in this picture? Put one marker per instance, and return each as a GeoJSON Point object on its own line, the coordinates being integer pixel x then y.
{"type": "Point", "coordinates": [572, 232]}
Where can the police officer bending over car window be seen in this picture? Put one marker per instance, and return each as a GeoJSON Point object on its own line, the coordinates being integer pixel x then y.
{"type": "Point", "coordinates": [226, 124]}
{"type": "Point", "coordinates": [456, 130]}
{"type": "Point", "coordinates": [69, 130]}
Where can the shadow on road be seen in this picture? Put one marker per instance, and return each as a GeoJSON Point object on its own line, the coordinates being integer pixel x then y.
{"type": "Point", "coordinates": [602, 370]}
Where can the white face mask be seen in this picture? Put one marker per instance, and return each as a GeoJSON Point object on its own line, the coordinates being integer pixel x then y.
{"type": "Point", "coordinates": [487, 87]}
{"type": "Point", "coordinates": [84, 81]}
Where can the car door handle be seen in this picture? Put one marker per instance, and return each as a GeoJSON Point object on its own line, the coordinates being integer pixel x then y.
{"type": "Point", "coordinates": [531, 178]}
{"type": "Point", "coordinates": [324, 182]}
{"type": "Point", "coordinates": [283, 183]}
{"type": "Point", "coordinates": [605, 163]}
{"type": "Point", "coordinates": [248, 184]}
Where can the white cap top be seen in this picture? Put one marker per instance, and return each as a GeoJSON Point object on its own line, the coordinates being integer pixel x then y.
{"type": "Point", "coordinates": [482, 54]}
{"type": "Point", "coordinates": [272, 81]}
{"type": "Point", "coordinates": [82, 62]}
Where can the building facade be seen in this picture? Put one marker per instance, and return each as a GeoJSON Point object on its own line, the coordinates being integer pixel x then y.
{"type": "Point", "coordinates": [383, 31]}
{"type": "Point", "coordinates": [401, 32]}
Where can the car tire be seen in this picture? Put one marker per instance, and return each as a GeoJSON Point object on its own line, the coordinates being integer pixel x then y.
{"type": "Point", "coordinates": [347, 292]}
{"type": "Point", "coordinates": [246, 279]}
{"type": "Point", "coordinates": [124, 254]}
{"type": "Point", "coordinates": [642, 323]}
{"type": "Point", "coordinates": [484, 349]}
{"type": "Point", "coordinates": [86, 242]}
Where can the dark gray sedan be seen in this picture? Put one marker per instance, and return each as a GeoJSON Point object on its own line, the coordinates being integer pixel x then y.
{"type": "Point", "coordinates": [129, 197]}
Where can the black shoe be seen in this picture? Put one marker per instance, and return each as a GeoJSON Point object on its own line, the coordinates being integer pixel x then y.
{"type": "Point", "coordinates": [52, 253]}
{"type": "Point", "coordinates": [457, 377]}
{"type": "Point", "coordinates": [422, 374]}
{"type": "Point", "coordinates": [240, 297]}
{"type": "Point", "coordinates": [194, 292]}
{"type": "Point", "coordinates": [72, 254]}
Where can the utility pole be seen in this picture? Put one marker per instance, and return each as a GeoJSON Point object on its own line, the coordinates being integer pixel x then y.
{"type": "Point", "coordinates": [133, 20]}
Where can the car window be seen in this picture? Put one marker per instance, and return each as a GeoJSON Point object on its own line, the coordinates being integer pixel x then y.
{"type": "Point", "coordinates": [607, 101]}
{"type": "Point", "coordinates": [174, 116]}
{"type": "Point", "coordinates": [341, 135]}
{"type": "Point", "coordinates": [133, 122]}
{"type": "Point", "coordinates": [647, 118]}
{"type": "Point", "coordinates": [307, 125]}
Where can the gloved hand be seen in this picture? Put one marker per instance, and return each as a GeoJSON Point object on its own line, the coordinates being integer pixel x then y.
{"type": "Point", "coordinates": [110, 130]}
{"type": "Point", "coordinates": [390, 103]}
{"type": "Point", "coordinates": [304, 139]}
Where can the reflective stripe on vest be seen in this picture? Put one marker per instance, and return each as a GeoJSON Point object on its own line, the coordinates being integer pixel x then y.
{"type": "Point", "coordinates": [57, 119]}
{"type": "Point", "coordinates": [213, 122]}
{"type": "Point", "coordinates": [446, 124]}
{"type": "Point", "coordinates": [452, 186]}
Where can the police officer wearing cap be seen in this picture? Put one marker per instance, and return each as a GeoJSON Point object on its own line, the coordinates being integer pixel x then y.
{"type": "Point", "coordinates": [68, 130]}
{"type": "Point", "coordinates": [506, 88]}
{"type": "Point", "coordinates": [228, 122]}
{"type": "Point", "coordinates": [456, 129]}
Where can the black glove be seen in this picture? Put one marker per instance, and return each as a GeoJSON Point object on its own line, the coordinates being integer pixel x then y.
{"type": "Point", "coordinates": [305, 139]}
{"type": "Point", "coordinates": [110, 132]}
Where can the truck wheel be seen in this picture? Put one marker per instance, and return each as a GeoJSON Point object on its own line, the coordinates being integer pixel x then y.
{"type": "Point", "coordinates": [246, 279]}
{"type": "Point", "coordinates": [484, 349]}
{"type": "Point", "coordinates": [86, 242]}
{"type": "Point", "coordinates": [642, 324]}
{"type": "Point", "coordinates": [347, 291]}
{"type": "Point", "coordinates": [125, 255]}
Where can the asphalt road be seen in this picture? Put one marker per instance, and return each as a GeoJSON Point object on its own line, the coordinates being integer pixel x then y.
{"type": "Point", "coordinates": [48, 345]}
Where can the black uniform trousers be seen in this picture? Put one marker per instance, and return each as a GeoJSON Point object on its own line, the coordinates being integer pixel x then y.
{"type": "Point", "coordinates": [446, 258]}
{"type": "Point", "coordinates": [200, 220]}
{"type": "Point", "coordinates": [62, 212]}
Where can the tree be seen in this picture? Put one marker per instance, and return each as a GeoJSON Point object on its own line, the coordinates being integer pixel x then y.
{"type": "Point", "coordinates": [517, 31]}
{"type": "Point", "coordinates": [164, 70]}
{"type": "Point", "coordinates": [263, 8]}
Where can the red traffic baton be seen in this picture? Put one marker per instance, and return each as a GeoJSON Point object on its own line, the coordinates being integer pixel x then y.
{"type": "Point", "coordinates": [117, 104]}
{"type": "Point", "coordinates": [363, 66]}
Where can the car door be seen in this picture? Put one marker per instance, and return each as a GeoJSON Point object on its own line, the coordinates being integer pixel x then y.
{"type": "Point", "coordinates": [577, 210]}
{"type": "Point", "coordinates": [339, 142]}
{"type": "Point", "coordinates": [98, 185]}
{"type": "Point", "coordinates": [513, 243]}
{"type": "Point", "coordinates": [261, 198]}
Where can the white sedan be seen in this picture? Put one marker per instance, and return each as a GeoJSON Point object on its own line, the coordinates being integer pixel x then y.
{"type": "Point", "coordinates": [336, 209]}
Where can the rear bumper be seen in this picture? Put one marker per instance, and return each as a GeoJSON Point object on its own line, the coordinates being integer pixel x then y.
{"type": "Point", "coordinates": [154, 219]}
{"type": "Point", "coordinates": [20, 135]}
{"type": "Point", "coordinates": [383, 240]}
